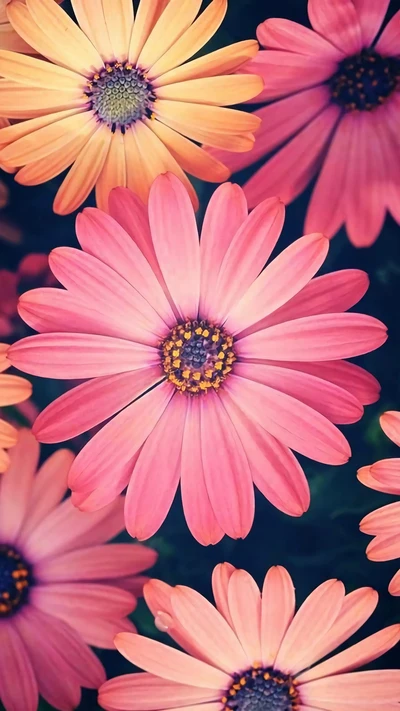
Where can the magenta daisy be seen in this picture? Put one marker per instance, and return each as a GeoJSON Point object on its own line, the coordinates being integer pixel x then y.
{"type": "Point", "coordinates": [217, 369]}
{"type": "Point", "coordinates": [61, 588]}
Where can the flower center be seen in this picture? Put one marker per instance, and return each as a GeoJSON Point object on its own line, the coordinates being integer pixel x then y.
{"type": "Point", "coordinates": [261, 690]}
{"type": "Point", "coordinates": [15, 579]}
{"type": "Point", "coordinates": [120, 95]}
{"type": "Point", "coordinates": [365, 80]}
{"type": "Point", "coordinates": [197, 356]}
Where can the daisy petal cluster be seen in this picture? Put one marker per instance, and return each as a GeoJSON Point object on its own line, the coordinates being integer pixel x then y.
{"type": "Point", "coordinates": [61, 587]}
{"type": "Point", "coordinates": [253, 652]}
{"type": "Point", "coordinates": [116, 98]}
{"type": "Point", "coordinates": [202, 359]}
{"type": "Point", "coordinates": [335, 114]}
{"type": "Point", "coordinates": [384, 523]}
{"type": "Point", "coordinates": [13, 390]}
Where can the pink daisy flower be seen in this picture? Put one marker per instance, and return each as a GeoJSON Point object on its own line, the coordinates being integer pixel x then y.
{"type": "Point", "coordinates": [384, 523]}
{"type": "Point", "coordinates": [337, 110]}
{"type": "Point", "coordinates": [217, 371]}
{"type": "Point", "coordinates": [61, 588]}
{"type": "Point", "coordinates": [253, 653]}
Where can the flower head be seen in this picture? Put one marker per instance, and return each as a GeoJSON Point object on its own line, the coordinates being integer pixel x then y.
{"type": "Point", "coordinates": [335, 111]}
{"type": "Point", "coordinates": [384, 523]}
{"type": "Point", "coordinates": [216, 371]}
{"type": "Point", "coordinates": [253, 652]}
{"type": "Point", "coordinates": [13, 390]}
{"type": "Point", "coordinates": [61, 587]}
{"type": "Point", "coordinates": [119, 100]}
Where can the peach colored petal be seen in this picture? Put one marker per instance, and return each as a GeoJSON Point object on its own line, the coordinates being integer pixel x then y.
{"type": "Point", "coordinates": [382, 476]}
{"type": "Point", "coordinates": [118, 18]}
{"type": "Point", "coordinates": [385, 546]}
{"type": "Point", "coordinates": [138, 178]}
{"type": "Point", "coordinates": [8, 435]}
{"type": "Point", "coordinates": [390, 423]}
{"type": "Point", "coordinates": [12, 41]}
{"type": "Point", "coordinates": [145, 692]}
{"type": "Point", "coordinates": [394, 586]}
{"type": "Point", "coordinates": [90, 16]}
{"type": "Point", "coordinates": [214, 119]}
{"type": "Point", "coordinates": [10, 133]}
{"type": "Point", "coordinates": [220, 583]}
{"type": "Point", "coordinates": [147, 15]}
{"type": "Point", "coordinates": [30, 101]}
{"type": "Point", "coordinates": [338, 23]}
{"type": "Point", "coordinates": [214, 91]}
{"type": "Point", "coordinates": [13, 390]}
{"type": "Point", "coordinates": [113, 173]}
{"type": "Point", "coordinates": [383, 521]}
{"type": "Point", "coordinates": [172, 23]}
{"type": "Point", "coordinates": [229, 141]}
{"type": "Point", "coordinates": [278, 607]}
{"type": "Point", "coordinates": [244, 600]}
{"type": "Point", "coordinates": [356, 689]}
{"type": "Point", "coordinates": [29, 71]}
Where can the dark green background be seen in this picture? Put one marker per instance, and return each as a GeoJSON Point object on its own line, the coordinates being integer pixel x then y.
{"type": "Point", "coordinates": [326, 541]}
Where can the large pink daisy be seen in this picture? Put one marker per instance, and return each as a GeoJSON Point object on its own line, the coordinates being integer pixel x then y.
{"type": "Point", "coordinates": [61, 588]}
{"type": "Point", "coordinates": [217, 371]}
{"type": "Point", "coordinates": [337, 110]}
{"type": "Point", "coordinates": [384, 523]}
{"type": "Point", "coordinates": [253, 653]}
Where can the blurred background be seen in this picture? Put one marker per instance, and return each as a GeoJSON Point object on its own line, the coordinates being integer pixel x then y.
{"type": "Point", "coordinates": [326, 541]}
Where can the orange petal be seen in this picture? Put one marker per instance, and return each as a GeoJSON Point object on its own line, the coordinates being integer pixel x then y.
{"type": "Point", "coordinates": [8, 134]}
{"type": "Point", "coordinates": [90, 16]}
{"type": "Point", "coordinates": [189, 155]}
{"type": "Point", "coordinates": [176, 18]}
{"type": "Point", "coordinates": [222, 61]}
{"type": "Point", "coordinates": [215, 91]}
{"type": "Point", "coordinates": [17, 101]}
{"type": "Point", "coordinates": [8, 435]}
{"type": "Point", "coordinates": [193, 39]}
{"type": "Point", "coordinates": [84, 173]}
{"type": "Point", "coordinates": [147, 15]}
{"type": "Point", "coordinates": [113, 174]}
{"type": "Point", "coordinates": [30, 71]}
{"type": "Point", "coordinates": [137, 177]}
{"type": "Point", "coordinates": [118, 16]}
{"type": "Point", "coordinates": [10, 40]}
{"type": "Point", "coordinates": [13, 390]}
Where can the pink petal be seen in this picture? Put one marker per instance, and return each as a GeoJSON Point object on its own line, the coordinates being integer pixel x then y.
{"type": "Point", "coordinates": [320, 337]}
{"type": "Point", "coordinates": [220, 584]}
{"type": "Point", "coordinates": [292, 422]}
{"type": "Point", "coordinates": [289, 72]}
{"type": "Point", "coordinates": [146, 692]}
{"type": "Point", "coordinates": [198, 511]}
{"type": "Point", "coordinates": [356, 689]}
{"type": "Point", "coordinates": [282, 279]}
{"type": "Point", "coordinates": [370, 15]}
{"type": "Point", "coordinates": [244, 601]}
{"type": "Point", "coordinates": [292, 167]}
{"type": "Point", "coordinates": [118, 441]}
{"type": "Point", "coordinates": [390, 423]}
{"type": "Point", "coordinates": [69, 415]}
{"type": "Point", "coordinates": [92, 500]}
{"type": "Point", "coordinates": [251, 247]}
{"type": "Point", "coordinates": [209, 631]}
{"type": "Point", "coordinates": [383, 476]}
{"type": "Point", "coordinates": [385, 546]}
{"type": "Point", "coordinates": [310, 624]}
{"type": "Point", "coordinates": [278, 33]}
{"type": "Point", "coordinates": [147, 504]}
{"type": "Point", "coordinates": [76, 355]}
{"type": "Point", "coordinates": [394, 586]}
{"type": "Point", "coordinates": [16, 485]}
{"type": "Point", "coordinates": [18, 685]}
{"type": "Point", "coordinates": [226, 212]}
{"type": "Point", "coordinates": [275, 470]}
{"type": "Point", "coordinates": [278, 607]}
{"type": "Point", "coordinates": [231, 493]}
{"type": "Point", "coordinates": [337, 22]}
{"type": "Point", "coordinates": [388, 42]}
{"type": "Point", "coordinates": [169, 197]}
{"type": "Point", "coordinates": [385, 520]}
{"type": "Point", "coordinates": [99, 632]}
{"type": "Point", "coordinates": [170, 663]}
{"type": "Point", "coordinates": [92, 599]}
{"type": "Point", "coordinates": [101, 236]}
{"type": "Point", "coordinates": [335, 403]}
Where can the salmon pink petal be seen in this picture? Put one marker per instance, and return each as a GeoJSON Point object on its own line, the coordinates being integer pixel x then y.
{"type": "Point", "coordinates": [144, 513]}
{"type": "Point", "coordinates": [278, 607]}
{"type": "Point", "coordinates": [278, 33]}
{"type": "Point", "coordinates": [388, 42]}
{"type": "Point", "coordinates": [385, 546]}
{"type": "Point", "coordinates": [99, 632]}
{"type": "Point", "coordinates": [92, 564]}
{"type": "Point", "coordinates": [170, 664]}
{"type": "Point", "coordinates": [220, 584]}
{"type": "Point", "coordinates": [16, 672]}
{"type": "Point", "coordinates": [282, 279]}
{"type": "Point", "coordinates": [356, 688]}
{"type": "Point", "coordinates": [168, 196]}
{"type": "Point", "coordinates": [69, 416]}
{"type": "Point", "coordinates": [61, 599]}
{"type": "Point", "coordinates": [91, 500]}
{"type": "Point", "coordinates": [146, 692]}
{"type": "Point", "coordinates": [370, 16]}
{"type": "Point", "coordinates": [16, 485]}
{"type": "Point", "coordinates": [382, 521]}
{"type": "Point", "coordinates": [382, 476]}
{"type": "Point", "coordinates": [244, 601]}
{"type": "Point", "coordinates": [390, 423]}
{"type": "Point", "coordinates": [394, 586]}
{"type": "Point", "coordinates": [315, 616]}
{"type": "Point", "coordinates": [338, 23]}
{"type": "Point", "coordinates": [292, 422]}
{"type": "Point", "coordinates": [231, 493]}
{"type": "Point", "coordinates": [75, 355]}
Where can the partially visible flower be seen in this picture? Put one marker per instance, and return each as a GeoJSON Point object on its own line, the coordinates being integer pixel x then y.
{"type": "Point", "coordinates": [119, 100]}
{"type": "Point", "coordinates": [253, 653]}
{"type": "Point", "coordinates": [384, 523]}
{"type": "Point", "coordinates": [211, 368]}
{"type": "Point", "coordinates": [13, 390]}
{"type": "Point", "coordinates": [336, 107]}
{"type": "Point", "coordinates": [61, 587]}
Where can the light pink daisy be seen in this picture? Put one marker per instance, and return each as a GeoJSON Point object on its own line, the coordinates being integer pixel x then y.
{"type": "Point", "coordinates": [253, 653]}
{"type": "Point", "coordinates": [384, 523]}
{"type": "Point", "coordinates": [337, 110]}
{"type": "Point", "coordinates": [217, 371]}
{"type": "Point", "coordinates": [61, 588]}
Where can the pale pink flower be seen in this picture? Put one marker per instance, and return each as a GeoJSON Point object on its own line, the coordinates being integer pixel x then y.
{"type": "Point", "coordinates": [61, 588]}
{"type": "Point", "coordinates": [254, 653]}
{"type": "Point", "coordinates": [337, 110]}
{"type": "Point", "coordinates": [217, 371]}
{"type": "Point", "coordinates": [384, 523]}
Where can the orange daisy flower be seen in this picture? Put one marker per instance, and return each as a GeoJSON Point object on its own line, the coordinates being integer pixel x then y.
{"type": "Point", "coordinates": [384, 523]}
{"type": "Point", "coordinates": [13, 390]}
{"type": "Point", "coordinates": [118, 99]}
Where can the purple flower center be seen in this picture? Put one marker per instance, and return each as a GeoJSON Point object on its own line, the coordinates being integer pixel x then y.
{"type": "Point", "coordinates": [15, 580]}
{"type": "Point", "coordinates": [261, 690]}
{"type": "Point", "coordinates": [365, 81]}
{"type": "Point", "coordinates": [120, 95]}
